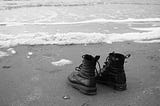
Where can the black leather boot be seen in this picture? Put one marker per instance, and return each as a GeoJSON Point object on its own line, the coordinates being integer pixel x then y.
{"type": "Point", "coordinates": [83, 78]}
{"type": "Point", "coordinates": [112, 74]}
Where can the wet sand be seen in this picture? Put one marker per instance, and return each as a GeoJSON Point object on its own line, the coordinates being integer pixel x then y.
{"type": "Point", "coordinates": [34, 81]}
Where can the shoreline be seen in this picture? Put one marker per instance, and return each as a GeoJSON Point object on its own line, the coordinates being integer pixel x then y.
{"type": "Point", "coordinates": [34, 70]}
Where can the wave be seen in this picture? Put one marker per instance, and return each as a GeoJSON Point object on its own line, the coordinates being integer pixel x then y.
{"type": "Point", "coordinates": [102, 20]}
{"type": "Point", "coordinates": [14, 4]}
{"type": "Point", "coordinates": [42, 38]}
{"type": "Point", "coordinates": [48, 3]}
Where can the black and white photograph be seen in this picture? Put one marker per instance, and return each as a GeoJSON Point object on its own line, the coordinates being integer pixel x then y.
{"type": "Point", "coordinates": [79, 52]}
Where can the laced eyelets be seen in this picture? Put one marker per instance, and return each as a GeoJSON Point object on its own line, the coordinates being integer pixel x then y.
{"type": "Point", "coordinates": [78, 68]}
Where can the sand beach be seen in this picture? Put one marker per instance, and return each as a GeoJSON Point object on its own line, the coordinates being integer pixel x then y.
{"type": "Point", "coordinates": [41, 43]}
{"type": "Point", "coordinates": [35, 81]}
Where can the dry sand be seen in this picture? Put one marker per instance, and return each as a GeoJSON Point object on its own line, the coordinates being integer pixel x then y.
{"type": "Point", "coordinates": [35, 81]}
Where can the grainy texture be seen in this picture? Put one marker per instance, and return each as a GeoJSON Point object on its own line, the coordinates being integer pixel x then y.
{"type": "Point", "coordinates": [36, 82]}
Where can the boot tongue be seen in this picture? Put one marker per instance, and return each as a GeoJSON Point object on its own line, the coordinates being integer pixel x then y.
{"type": "Point", "coordinates": [117, 59]}
{"type": "Point", "coordinates": [91, 58]}
{"type": "Point", "coordinates": [117, 56]}
{"type": "Point", "coordinates": [97, 58]}
{"type": "Point", "coordinates": [88, 57]}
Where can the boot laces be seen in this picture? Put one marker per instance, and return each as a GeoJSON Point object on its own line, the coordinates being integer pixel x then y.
{"type": "Point", "coordinates": [98, 73]}
{"type": "Point", "coordinates": [107, 63]}
{"type": "Point", "coordinates": [79, 67]}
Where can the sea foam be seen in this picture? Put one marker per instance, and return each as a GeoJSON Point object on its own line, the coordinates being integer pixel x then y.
{"type": "Point", "coordinates": [42, 38]}
{"type": "Point", "coordinates": [2, 54]}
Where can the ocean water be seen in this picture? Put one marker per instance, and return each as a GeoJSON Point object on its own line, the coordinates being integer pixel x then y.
{"type": "Point", "coordinates": [61, 22]}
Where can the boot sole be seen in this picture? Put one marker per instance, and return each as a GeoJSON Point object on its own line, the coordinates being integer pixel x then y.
{"type": "Point", "coordinates": [83, 89]}
{"type": "Point", "coordinates": [118, 87]}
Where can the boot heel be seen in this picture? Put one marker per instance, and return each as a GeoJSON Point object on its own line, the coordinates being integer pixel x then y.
{"type": "Point", "coordinates": [120, 87]}
{"type": "Point", "coordinates": [84, 89]}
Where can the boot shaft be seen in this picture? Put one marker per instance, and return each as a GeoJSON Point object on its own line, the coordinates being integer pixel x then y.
{"type": "Point", "coordinates": [114, 67]}
{"type": "Point", "coordinates": [113, 74]}
{"type": "Point", "coordinates": [116, 60]}
{"type": "Point", "coordinates": [88, 66]}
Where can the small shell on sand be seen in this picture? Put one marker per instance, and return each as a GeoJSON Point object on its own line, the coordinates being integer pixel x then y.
{"type": "Point", "coordinates": [30, 53]}
{"type": "Point", "coordinates": [66, 97]}
{"type": "Point", "coordinates": [12, 50]}
{"type": "Point", "coordinates": [28, 57]}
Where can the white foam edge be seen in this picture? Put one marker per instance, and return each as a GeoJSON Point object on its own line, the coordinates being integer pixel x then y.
{"type": "Point", "coordinates": [101, 20]}
{"type": "Point", "coordinates": [3, 54]}
{"type": "Point", "coordinates": [77, 37]}
{"type": "Point", "coordinates": [61, 62]}
{"type": "Point", "coordinates": [149, 41]}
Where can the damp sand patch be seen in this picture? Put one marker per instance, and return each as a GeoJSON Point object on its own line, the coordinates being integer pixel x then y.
{"type": "Point", "coordinates": [3, 54]}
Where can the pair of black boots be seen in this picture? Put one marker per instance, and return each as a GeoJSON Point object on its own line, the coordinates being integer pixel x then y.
{"type": "Point", "coordinates": [112, 74]}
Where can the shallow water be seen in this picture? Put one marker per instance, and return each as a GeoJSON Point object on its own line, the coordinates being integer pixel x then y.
{"type": "Point", "coordinates": [78, 22]}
